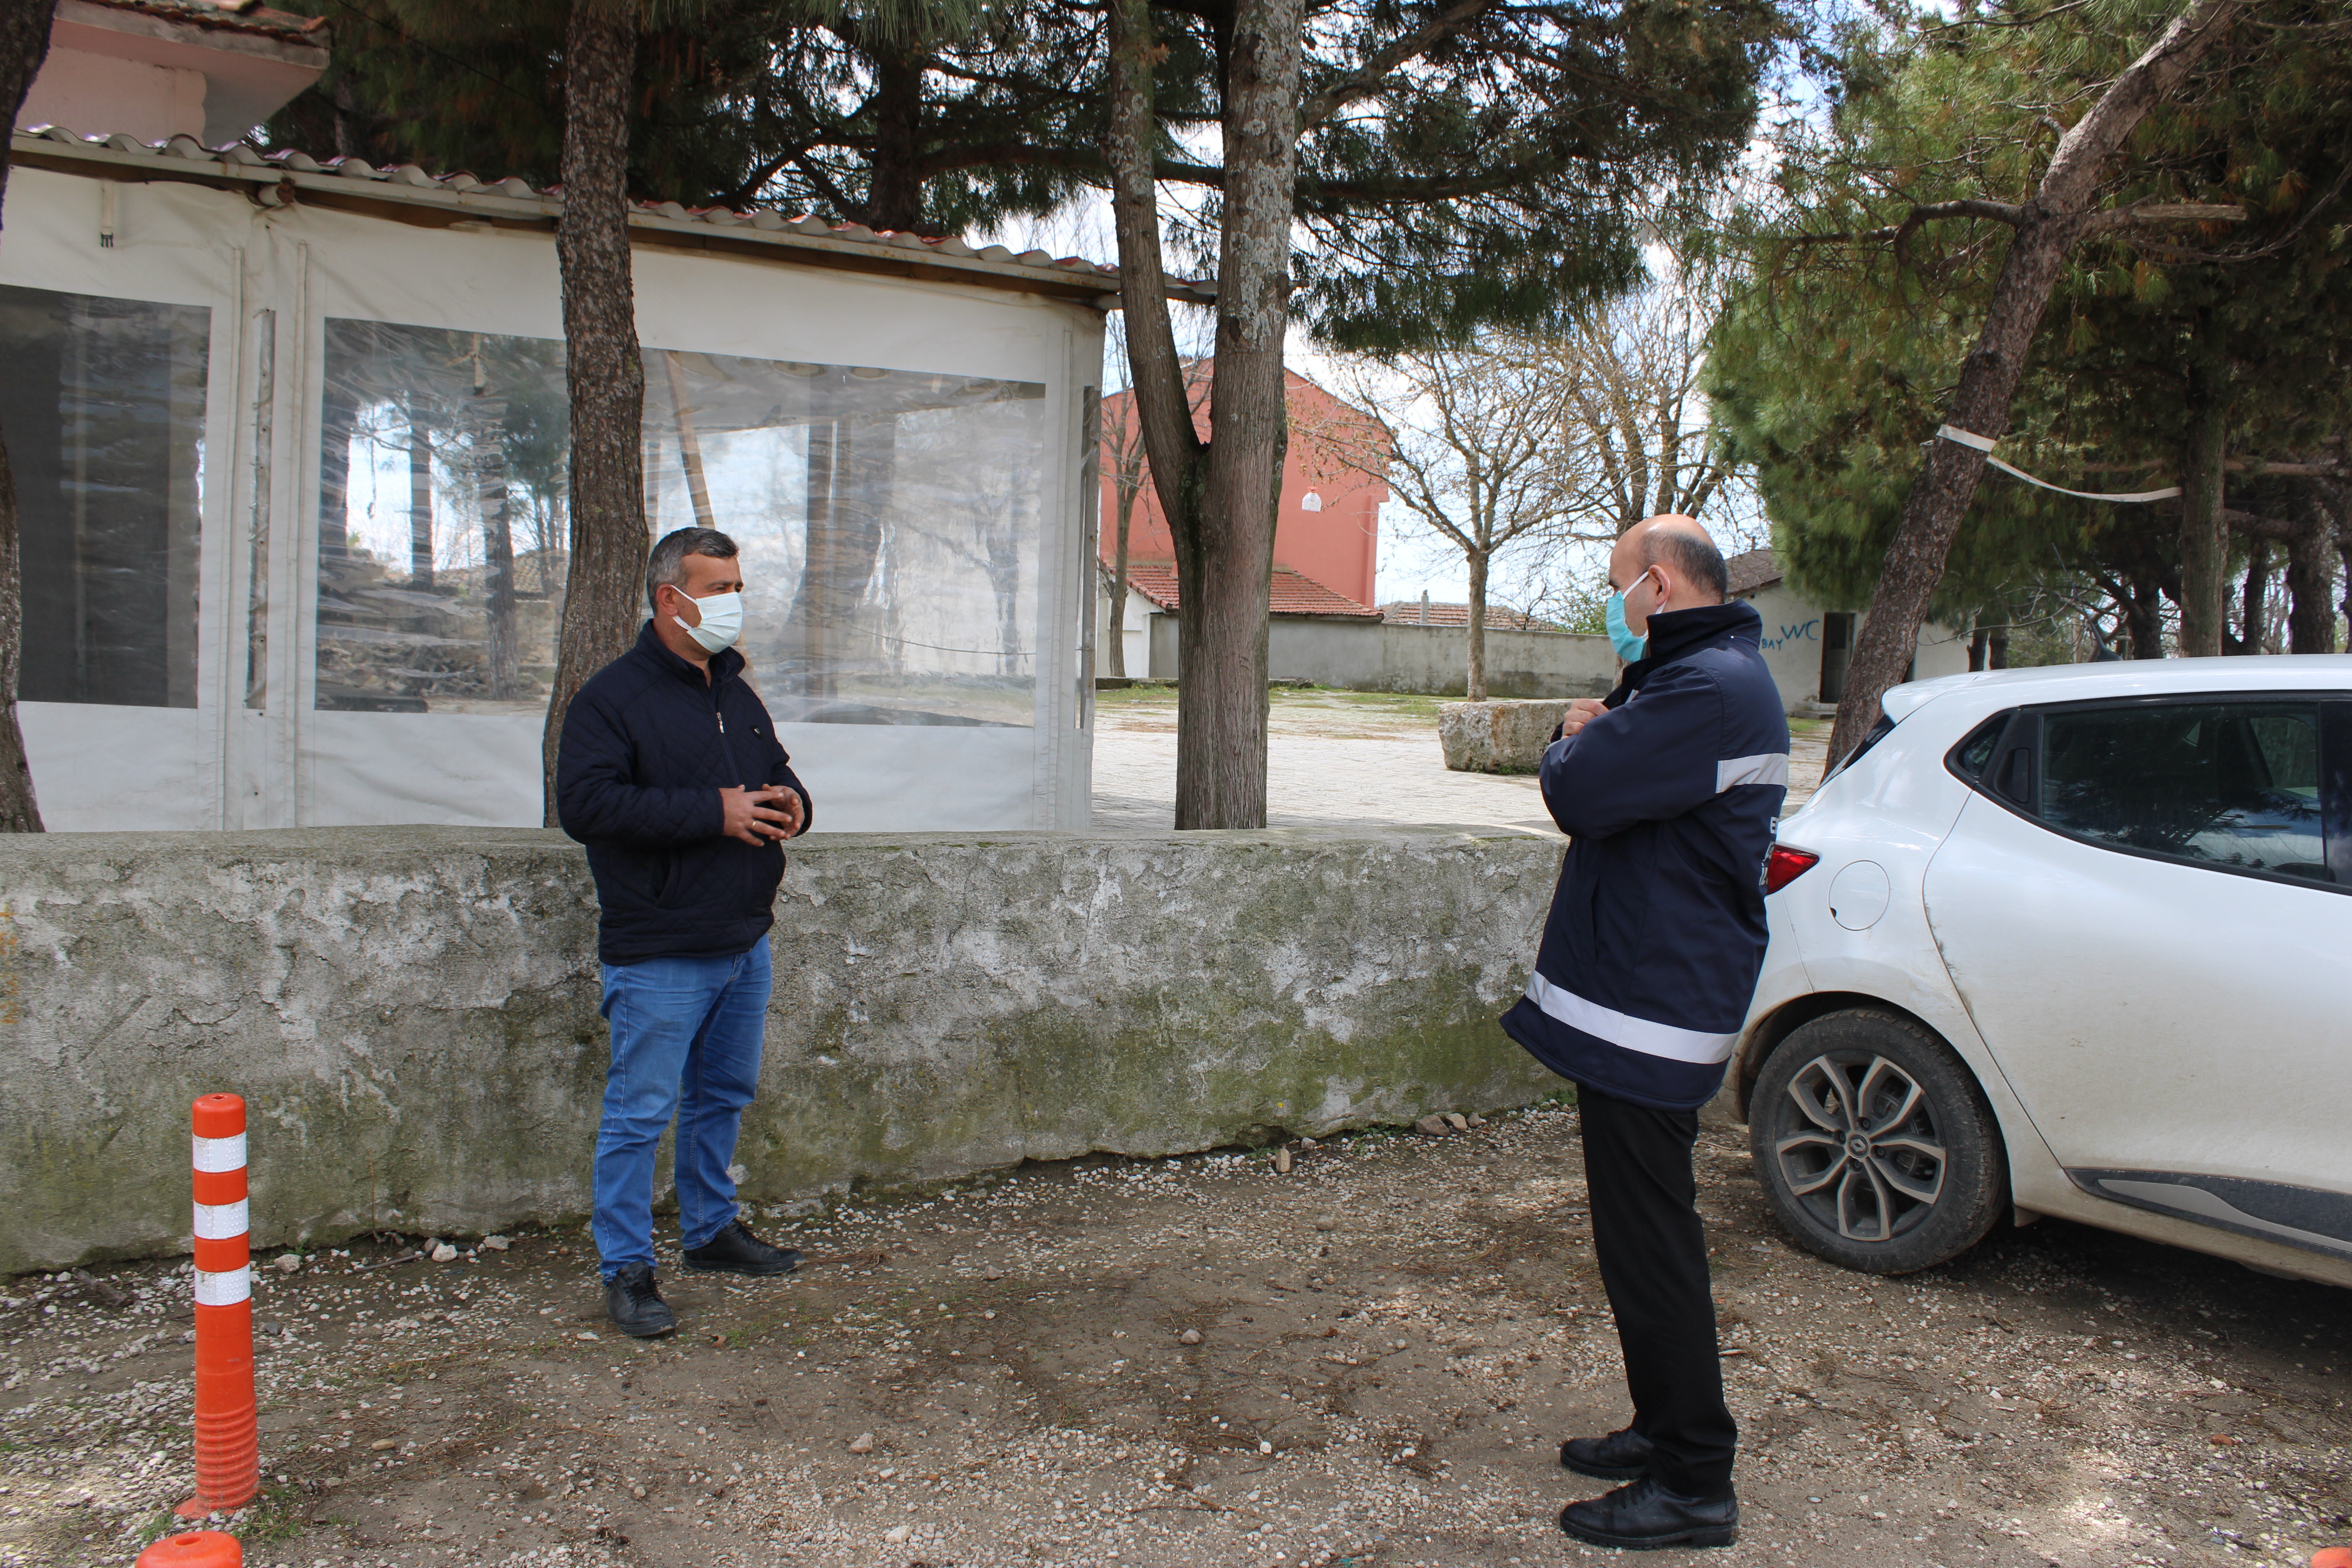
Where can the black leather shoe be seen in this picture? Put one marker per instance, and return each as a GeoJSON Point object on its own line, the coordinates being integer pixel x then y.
{"type": "Point", "coordinates": [1646, 1516]}
{"type": "Point", "coordinates": [635, 1305]}
{"type": "Point", "coordinates": [735, 1250]}
{"type": "Point", "coordinates": [1620, 1457]}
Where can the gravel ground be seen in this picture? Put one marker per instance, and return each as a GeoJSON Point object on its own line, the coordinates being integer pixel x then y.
{"type": "Point", "coordinates": [1392, 1338]}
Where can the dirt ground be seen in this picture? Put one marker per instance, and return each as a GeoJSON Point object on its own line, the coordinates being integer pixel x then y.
{"type": "Point", "coordinates": [1392, 1337]}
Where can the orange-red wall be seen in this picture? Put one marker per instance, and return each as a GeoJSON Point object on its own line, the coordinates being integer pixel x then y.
{"type": "Point", "coordinates": [1331, 444]}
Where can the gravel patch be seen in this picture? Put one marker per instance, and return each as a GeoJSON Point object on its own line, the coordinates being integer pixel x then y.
{"type": "Point", "coordinates": [1367, 1360]}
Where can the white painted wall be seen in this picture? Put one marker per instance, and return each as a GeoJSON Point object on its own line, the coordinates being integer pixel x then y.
{"type": "Point", "coordinates": [1372, 656]}
{"type": "Point", "coordinates": [1792, 644]}
{"type": "Point", "coordinates": [1134, 626]}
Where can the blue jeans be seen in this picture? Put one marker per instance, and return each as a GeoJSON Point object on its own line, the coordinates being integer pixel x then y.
{"type": "Point", "coordinates": [686, 1041]}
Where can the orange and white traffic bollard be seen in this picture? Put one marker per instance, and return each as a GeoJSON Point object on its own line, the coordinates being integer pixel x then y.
{"type": "Point", "coordinates": [229, 1445]}
{"type": "Point", "coordinates": [197, 1548]}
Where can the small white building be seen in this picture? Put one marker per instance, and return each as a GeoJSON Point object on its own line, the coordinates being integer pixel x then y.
{"type": "Point", "coordinates": [1807, 647]}
{"type": "Point", "coordinates": [290, 449]}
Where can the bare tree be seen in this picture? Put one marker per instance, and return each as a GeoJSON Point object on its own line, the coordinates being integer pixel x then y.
{"type": "Point", "coordinates": [24, 45]}
{"type": "Point", "coordinates": [1476, 456]}
{"type": "Point", "coordinates": [1129, 467]}
{"type": "Point", "coordinates": [1634, 424]}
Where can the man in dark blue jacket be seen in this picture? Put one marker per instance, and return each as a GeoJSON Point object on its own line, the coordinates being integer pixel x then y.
{"type": "Point", "coordinates": [1670, 789]}
{"type": "Point", "coordinates": [669, 771]}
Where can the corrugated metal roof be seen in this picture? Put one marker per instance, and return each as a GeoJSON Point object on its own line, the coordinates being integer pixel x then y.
{"type": "Point", "coordinates": [411, 193]}
{"type": "Point", "coordinates": [1292, 593]}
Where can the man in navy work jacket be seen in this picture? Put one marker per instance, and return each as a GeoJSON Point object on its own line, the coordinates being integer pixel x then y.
{"type": "Point", "coordinates": [670, 772]}
{"type": "Point", "coordinates": [1669, 789]}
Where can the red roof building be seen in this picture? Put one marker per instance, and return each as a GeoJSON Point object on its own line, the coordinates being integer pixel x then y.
{"type": "Point", "coordinates": [1328, 529]}
{"type": "Point", "coordinates": [1294, 593]}
{"type": "Point", "coordinates": [1500, 617]}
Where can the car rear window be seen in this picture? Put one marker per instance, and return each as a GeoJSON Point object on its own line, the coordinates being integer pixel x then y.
{"type": "Point", "coordinates": [1969, 758]}
{"type": "Point", "coordinates": [2232, 784]}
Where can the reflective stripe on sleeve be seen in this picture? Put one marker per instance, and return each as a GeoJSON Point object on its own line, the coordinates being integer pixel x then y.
{"type": "Point", "coordinates": [226, 1288]}
{"type": "Point", "coordinates": [222, 1222]}
{"type": "Point", "coordinates": [1764, 768]}
{"type": "Point", "coordinates": [1624, 1030]}
{"type": "Point", "coordinates": [220, 1154]}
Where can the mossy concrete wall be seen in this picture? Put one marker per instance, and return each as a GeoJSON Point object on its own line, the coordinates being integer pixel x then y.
{"type": "Point", "coordinates": [412, 1012]}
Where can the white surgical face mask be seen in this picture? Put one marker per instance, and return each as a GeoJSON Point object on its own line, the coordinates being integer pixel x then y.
{"type": "Point", "coordinates": [722, 622]}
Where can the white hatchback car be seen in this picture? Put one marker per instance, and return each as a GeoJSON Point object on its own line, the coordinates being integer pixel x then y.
{"type": "Point", "coordinates": [2073, 941]}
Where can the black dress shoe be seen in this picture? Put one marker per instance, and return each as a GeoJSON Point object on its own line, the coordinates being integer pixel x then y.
{"type": "Point", "coordinates": [735, 1250]}
{"type": "Point", "coordinates": [635, 1305]}
{"type": "Point", "coordinates": [1646, 1516]}
{"type": "Point", "coordinates": [1620, 1457]}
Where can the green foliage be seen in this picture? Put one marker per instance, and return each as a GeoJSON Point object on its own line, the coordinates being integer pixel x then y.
{"type": "Point", "coordinates": [1500, 182]}
{"type": "Point", "coordinates": [1835, 364]}
{"type": "Point", "coordinates": [1494, 179]}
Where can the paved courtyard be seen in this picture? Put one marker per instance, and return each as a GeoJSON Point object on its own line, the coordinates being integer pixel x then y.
{"type": "Point", "coordinates": [1336, 759]}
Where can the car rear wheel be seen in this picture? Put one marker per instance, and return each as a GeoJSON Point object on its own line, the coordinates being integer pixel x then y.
{"type": "Point", "coordinates": [1874, 1144]}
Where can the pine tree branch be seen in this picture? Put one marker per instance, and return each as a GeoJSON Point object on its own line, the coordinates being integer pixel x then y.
{"type": "Point", "coordinates": [1369, 78]}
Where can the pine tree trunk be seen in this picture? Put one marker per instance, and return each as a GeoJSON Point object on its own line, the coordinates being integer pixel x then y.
{"type": "Point", "coordinates": [2310, 575]}
{"type": "Point", "coordinates": [2254, 607]}
{"type": "Point", "coordinates": [1476, 686]}
{"type": "Point", "coordinates": [1940, 497]}
{"type": "Point", "coordinates": [1224, 552]}
{"type": "Point", "coordinates": [604, 370]}
{"type": "Point", "coordinates": [1156, 379]}
{"type": "Point", "coordinates": [894, 199]}
{"type": "Point", "coordinates": [2204, 534]}
{"type": "Point", "coordinates": [2144, 619]}
{"type": "Point", "coordinates": [24, 43]}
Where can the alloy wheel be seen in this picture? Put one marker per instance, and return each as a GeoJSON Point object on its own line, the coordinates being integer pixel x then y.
{"type": "Point", "coordinates": [1859, 1146]}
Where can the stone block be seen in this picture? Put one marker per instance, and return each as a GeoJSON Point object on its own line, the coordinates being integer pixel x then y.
{"type": "Point", "coordinates": [1497, 737]}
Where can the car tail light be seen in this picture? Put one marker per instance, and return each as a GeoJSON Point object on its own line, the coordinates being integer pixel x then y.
{"type": "Point", "coordinates": [1785, 865]}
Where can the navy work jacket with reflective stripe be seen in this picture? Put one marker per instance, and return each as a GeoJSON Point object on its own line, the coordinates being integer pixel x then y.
{"type": "Point", "coordinates": [1656, 934]}
{"type": "Point", "coordinates": [647, 745]}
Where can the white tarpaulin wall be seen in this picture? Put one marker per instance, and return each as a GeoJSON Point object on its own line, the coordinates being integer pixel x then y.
{"type": "Point", "coordinates": [292, 490]}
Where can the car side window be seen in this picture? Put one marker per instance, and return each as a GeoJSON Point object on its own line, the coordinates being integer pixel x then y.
{"type": "Point", "coordinates": [2230, 784]}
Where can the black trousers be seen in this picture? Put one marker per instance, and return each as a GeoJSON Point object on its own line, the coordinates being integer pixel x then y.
{"type": "Point", "coordinates": [1653, 1255]}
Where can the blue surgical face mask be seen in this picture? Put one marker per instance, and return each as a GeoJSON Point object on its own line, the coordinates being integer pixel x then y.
{"type": "Point", "coordinates": [1629, 647]}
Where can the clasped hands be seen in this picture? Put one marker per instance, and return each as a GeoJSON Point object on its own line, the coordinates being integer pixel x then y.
{"type": "Point", "coordinates": [761, 815]}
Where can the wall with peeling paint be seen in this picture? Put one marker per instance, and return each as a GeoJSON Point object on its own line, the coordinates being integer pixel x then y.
{"type": "Point", "coordinates": [411, 1013]}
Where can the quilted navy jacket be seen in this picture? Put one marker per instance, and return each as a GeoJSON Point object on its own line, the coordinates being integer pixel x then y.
{"type": "Point", "coordinates": [1656, 934]}
{"type": "Point", "coordinates": [647, 745]}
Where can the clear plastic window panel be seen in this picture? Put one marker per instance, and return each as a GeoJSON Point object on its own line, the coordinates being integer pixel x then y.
{"type": "Point", "coordinates": [889, 526]}
{"type": "Point", "coordinates": [442, 525]}
{"type": "Point", "coordinates": [888, 523]}
{"type": "Point", "coordinates": [103, 410]}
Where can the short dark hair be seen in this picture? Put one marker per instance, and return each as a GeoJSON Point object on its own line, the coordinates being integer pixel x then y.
{"type": "Point", "coordinates": [666, 564]}
{"type": "Point", "coordinates": [1695, 554]}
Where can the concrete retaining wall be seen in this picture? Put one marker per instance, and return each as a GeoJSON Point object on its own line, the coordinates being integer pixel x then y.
{"type": "Point", "coordinates": [411, 1013]}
